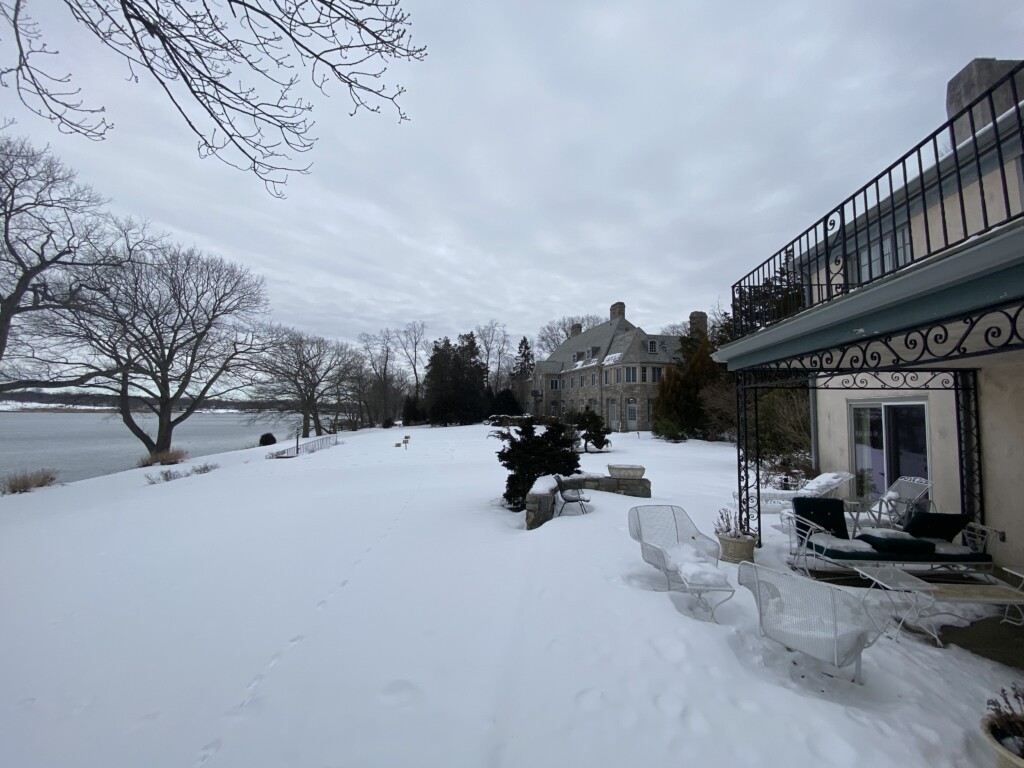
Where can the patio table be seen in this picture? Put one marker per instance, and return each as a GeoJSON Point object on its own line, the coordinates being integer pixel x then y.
{"type": "Point", "coordinates": [1018, 572]}
{"type": "Point", "coordinates": [700, 579]}
{"type": "Point", "coordinates": [922, 597]}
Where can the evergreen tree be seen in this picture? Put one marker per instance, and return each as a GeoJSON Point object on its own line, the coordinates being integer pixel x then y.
{"type": "Point", "coordinates": [683, 407]}
{"type": "Point", "coordinates": [522, 366]}
{"type": "Point", "coordinates": [592, 429]}
{"type": "Point", "coordinates": [529, 455]}
{"type": "Point", "coordinates": [668, 405]}
{"type": "Point", "coordinates": [505, 403]}
{"type": "Point", "coordinates": [454, 385]}
{"type": "Point", "coordinates": [412, 410]}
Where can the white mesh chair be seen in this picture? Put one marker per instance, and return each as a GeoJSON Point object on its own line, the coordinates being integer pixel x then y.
{"type": "Point", "coordinates": [899, 501]}
{"type": "Point", "coordinates": [820, 620]}
{"type": "Point", "coordinates": [686, 557]}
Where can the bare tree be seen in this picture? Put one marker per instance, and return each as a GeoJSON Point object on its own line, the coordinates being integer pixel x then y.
{"type": "Point", "coordinates": [55, 233]}
{"type": "Point", "coordinates": [494, 349]}
{"type": "Point", "coordinates": [178, 326]}
{"type": "Point", "coordinates": [676, 329]}
{"type": "Point", "coordinates": [231, 76]}
{"type": "Point", "coordinates": [379, 349]}
{"type": "Point", "coordinates": [299, 374]}
{"type": "Point", "coordinates": [412, 340]}
{"type": "Point", "coordinates": [554, 333]}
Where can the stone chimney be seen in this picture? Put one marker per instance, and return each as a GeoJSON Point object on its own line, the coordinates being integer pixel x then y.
{"type": "Point", "coordinates": [618, 311]}
{"type": "Point", "coordinates": [972, 81]}
{"type": "Point", "coordinates": [576, 330]}
{"type": "Point", "coordinates": [698, 325]}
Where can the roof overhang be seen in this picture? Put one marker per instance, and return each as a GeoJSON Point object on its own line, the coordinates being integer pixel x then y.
{"type": "Point", "coordinates": [986, 271]}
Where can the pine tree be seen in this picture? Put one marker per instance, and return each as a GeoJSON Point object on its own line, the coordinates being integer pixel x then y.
{"type": "Point", "coordinates": [522, 366]}
{"type": "Point", "coordinates": [454, 385]}
{"type": "Point", "coordinates": [529, 455]}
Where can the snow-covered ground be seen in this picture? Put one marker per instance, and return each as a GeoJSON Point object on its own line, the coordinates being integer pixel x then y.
{"type": "Point", "coordinates": [369, 605]}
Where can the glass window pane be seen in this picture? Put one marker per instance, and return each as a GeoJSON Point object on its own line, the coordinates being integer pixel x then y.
{"type": "Point", "coordinates": [907, 440]}
{"type": "Point", "coordinates": [868, 450]}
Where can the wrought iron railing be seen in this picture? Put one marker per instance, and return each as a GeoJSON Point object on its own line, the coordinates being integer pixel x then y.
{"type": "Point", "coordinates": [962, 181]}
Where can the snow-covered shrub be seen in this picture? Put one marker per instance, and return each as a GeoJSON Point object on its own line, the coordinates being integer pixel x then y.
{"type": "Point", "coordinates": [529, 454]}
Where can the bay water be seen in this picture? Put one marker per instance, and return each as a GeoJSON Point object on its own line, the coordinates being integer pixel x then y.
{"type": "Point", "coordinates": [79, 444]}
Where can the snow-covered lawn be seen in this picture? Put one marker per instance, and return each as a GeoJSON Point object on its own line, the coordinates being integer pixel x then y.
{"type": "Point", "coordinates": [376, 606]}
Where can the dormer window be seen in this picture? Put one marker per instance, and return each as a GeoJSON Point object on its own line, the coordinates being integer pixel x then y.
{"type": "Point", "coordinates": [652, 346]}
{"type": "Point", "coordinates": [588, 354]}
{"type": "Point", "coordinates": [574, 357]}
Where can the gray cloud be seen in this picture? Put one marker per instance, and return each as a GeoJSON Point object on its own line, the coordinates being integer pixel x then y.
{"type": "Point", "coordinates": [560, 157]}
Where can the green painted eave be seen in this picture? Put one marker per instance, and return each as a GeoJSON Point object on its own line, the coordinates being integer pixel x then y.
{"type": "Point", "coordinates": [983, 272]}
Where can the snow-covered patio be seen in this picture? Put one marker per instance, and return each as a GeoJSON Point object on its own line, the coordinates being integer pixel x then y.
{"type": "Point", "coordinates": [376, 606]}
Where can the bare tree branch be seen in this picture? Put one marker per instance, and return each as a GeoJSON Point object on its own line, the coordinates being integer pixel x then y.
{"type": "Point", "coordinates": [231, 77]}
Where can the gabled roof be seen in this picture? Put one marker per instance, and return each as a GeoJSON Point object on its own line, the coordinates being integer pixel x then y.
{"type": "Point", "coordinates": [608, 343]}
{"type": "Point", "coordinates": [600, 336]}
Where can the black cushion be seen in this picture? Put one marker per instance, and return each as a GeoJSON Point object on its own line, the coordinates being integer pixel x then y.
{"type": "Point", "coordinates": [898, 544]}
{"type": "Point", "coordinates": [936, 525]}
{"type": "Point", "coordinates": [828, 513]}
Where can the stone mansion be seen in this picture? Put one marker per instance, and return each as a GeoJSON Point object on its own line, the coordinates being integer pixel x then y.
{"type": "Point", "coordinates": [612, 368]}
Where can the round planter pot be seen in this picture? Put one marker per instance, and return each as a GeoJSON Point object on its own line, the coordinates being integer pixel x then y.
{"type": "Point", "coordinates": [737, 550]}
{"type": "Point", "coordinates": [1004, 757]}
{"type": "Point", "coordinates": [626, 471]}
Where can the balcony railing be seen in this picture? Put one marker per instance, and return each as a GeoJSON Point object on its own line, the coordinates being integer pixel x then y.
{"type": "Point", "coordinates": [963, 180]}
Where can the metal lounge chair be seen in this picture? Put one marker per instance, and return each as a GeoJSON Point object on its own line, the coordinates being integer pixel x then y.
{"type": "Point", "coordinates": [817, 619]}
{"type": "Point", "coordinates": [570, 496]}
{"type": "Point", "coordinates": [902, 497]}
{"type": "Point", "coordinates": [824, 485]}
{"type": "Point", "coordinates": [686, 557]}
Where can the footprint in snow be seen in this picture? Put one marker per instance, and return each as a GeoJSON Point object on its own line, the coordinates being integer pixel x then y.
{"type": "Point", "coordinates": [400, 692]}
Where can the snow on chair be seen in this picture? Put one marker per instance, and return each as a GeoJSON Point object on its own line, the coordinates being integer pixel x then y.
{"type": "Point", "coordinates": [686, 557]}
{"type": "Point", "coordinates": [817, 619]}
{"type": "Point", "coordinates": [570, 496]}
{"type": "Point", "coordinates": [901, 499]}
{"type": "Point", "coordinates": [824, 485]}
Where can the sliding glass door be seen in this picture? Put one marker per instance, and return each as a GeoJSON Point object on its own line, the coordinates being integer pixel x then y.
{"type": "Point", "coordinates": [889, 441]}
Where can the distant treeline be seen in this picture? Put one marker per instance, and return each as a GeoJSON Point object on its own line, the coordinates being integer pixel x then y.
{"type": "Point", "coordinates": [96, 400]}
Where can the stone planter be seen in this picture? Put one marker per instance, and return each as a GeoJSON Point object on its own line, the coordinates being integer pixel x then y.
{"type": "Point", "coordinates": [737, 550]}
{"type": "Point", "coordinates": [626, 471]}
{"type": "Point", "coordinates": [1004, 757]}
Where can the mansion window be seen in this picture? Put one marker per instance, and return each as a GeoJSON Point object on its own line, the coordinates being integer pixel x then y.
{"type": "Point", "coordinates": [643, 374]}
{"type": "Point", "coordinates": [631, 374]}
{"type": "Point", "coordinates": [652, 346]}
{"type": "Point", "coordinates": [655, 375]}
{"type": "Point", "coordinates": [554, 384]}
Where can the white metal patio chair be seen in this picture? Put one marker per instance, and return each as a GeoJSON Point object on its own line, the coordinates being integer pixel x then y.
{"type": "Point", "coordinates": [898, 503]}
{"type": "Point", "coordinates": [820, 620]}
{"type": "Point", "coordinates": [825, 484]}
{"type": "Point", "coordinates": [686, 557]}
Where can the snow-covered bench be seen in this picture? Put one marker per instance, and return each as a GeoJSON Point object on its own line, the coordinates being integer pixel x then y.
{"type": "Point", "coordinates": [817, 619]}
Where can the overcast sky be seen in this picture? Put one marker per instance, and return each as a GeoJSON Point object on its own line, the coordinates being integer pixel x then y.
{"type": "Point", "coordinates": [561, 156]}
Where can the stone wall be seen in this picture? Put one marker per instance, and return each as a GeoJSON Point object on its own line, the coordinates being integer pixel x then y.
{"type": "Point", "coordinates": [541, 503]}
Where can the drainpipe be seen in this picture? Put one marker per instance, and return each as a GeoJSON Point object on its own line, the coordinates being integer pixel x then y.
{"type": "Point", "coordinates": [813, 392]}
